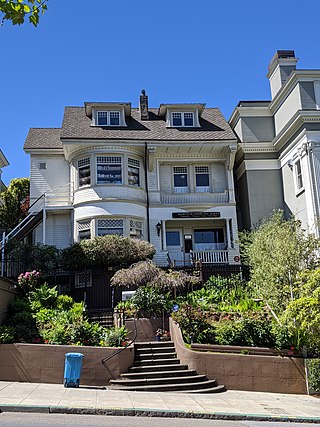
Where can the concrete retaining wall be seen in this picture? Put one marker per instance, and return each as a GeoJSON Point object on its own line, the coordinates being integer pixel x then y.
{"type": "Point", "coordinates": [244, 372]}
{"type": "Point", "coordinates": [7, 295]}
{"type": "Point", "coordinates": [146, 328]}
{"type": "Point", "coordinates": [40, 363]}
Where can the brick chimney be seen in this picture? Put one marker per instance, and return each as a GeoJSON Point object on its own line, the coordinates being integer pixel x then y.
{"type": "Point", "coordinates": [143, 106]}
{"type": "Point", "coordinates": [280, 68]}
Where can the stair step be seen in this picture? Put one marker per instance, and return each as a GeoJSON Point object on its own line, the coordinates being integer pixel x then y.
{"type": "Point", "coordinates": [186, 387]}
{"type": "Point", "coordinates": [145, 350]}
{"type": "Point", "coordinates": [154, 344]}
{"type": "Point", "coordinates": [159, 374]}
{"type": "Point", "coordinates": [158, 381]}
{"type": "Point", "coordinates": [149, 362]}
{"type": "Point", "coordinates": [154, 356]}
{"type": "Point", "coordinates": [157, 368]}
{"type": "Point", "coordinates": [216, 389]}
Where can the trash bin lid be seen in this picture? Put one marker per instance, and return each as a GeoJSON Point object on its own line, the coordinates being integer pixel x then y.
{"type": "Point", "coordinates": [74, 354]}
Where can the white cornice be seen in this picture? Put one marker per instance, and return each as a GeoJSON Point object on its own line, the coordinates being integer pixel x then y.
{"type": "Point", "coordinates": [257, 147]}
{"type": "Point", "coordinates": [45, 151]}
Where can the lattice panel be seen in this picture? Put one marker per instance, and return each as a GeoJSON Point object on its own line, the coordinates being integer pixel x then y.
{"type": "Point", "coordinates": [83, 162]}
{"type": "Point", "coordinates": [133, 162]}
{"type": "Point", "coordinates": [84, 225]}
{"type": "Point", "coordinates": [135, 225]}
{"type": "Point", "coordinates": [110, 223]}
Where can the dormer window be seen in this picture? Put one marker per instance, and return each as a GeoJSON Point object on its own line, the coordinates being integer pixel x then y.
{"type": "Point", "coordinates": [108, 118]}
{"type": "Point", "coordinates": [182, 119]}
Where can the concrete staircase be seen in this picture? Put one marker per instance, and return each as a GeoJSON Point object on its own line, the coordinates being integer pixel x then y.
{"type": "Point", "coordinates": [156, 368]}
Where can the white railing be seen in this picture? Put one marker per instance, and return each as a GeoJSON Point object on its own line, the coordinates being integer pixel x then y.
{"type": "Point", "coordinates": [189, 198]}
{"type": "Point", "coordinates": [210, 257]}
{"type": "Point", "coordinates": [58, 197]}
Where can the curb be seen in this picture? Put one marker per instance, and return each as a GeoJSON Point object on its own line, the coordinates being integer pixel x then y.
{"type": "Point", "coordinates": [140, 412]}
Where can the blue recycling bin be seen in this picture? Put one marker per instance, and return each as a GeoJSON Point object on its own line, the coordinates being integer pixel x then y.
{"type": "Point", "coordinates": [72, 369]}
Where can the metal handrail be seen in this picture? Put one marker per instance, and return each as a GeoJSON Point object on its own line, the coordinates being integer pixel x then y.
{"type": "Point", "coordinates": [106, 359]}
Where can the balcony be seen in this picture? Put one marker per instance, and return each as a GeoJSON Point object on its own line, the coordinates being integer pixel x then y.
{"type": "Point", "coordinates": [210, 257]}
{"type": "Point", "coordinates": [194, 198]}
{"type": "Point", "coordinates": [57, 198]}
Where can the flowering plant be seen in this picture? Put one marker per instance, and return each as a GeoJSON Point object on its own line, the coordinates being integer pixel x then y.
{"type": "Point", "coordinates": [28, 281]}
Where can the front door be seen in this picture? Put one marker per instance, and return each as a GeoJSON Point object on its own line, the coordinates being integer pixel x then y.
{"type": "Point", "coordinates": [175, 245]}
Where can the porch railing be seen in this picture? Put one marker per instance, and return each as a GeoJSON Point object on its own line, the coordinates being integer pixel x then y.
{"type": "Point", "coordinates": [187, 198]}
{"type": "Point", "coordinates": [61, 196]}
{"type": "Point", "coordinates": [210, 257]}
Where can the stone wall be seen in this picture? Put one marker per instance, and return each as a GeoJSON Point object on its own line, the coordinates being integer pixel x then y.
{"type": "Point", "coordinates": [244, 372]}
{"type": "Point", "coordinates": [41, 363]}
{"type": "Point", "coordinates": [7, 295]}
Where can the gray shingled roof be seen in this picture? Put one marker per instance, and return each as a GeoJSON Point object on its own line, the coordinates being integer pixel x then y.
{"type": "Point", "coordinates": [43, 138]}
{"type": "Point", "coordinates": [76, 125]}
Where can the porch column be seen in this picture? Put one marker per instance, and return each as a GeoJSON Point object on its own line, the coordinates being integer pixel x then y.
{"type": "Point", "coordinates": [44, 217]}
{"type": "Point", "coordinates": [231, 187]}
{"type": "Point", "coordinates": [228, 232]}
{"type": "Point", "coordinates": [164, 240]}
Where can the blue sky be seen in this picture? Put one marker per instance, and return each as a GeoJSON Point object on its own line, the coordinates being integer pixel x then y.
{"type": "Point", "coordinates": [210, 51]}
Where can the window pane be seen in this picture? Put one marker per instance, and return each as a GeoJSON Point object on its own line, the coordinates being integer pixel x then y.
{"type": "Point", "coordinates": [84, 234]}
{"type": "Point", "coordinates": [84, 176]}
{"type": "Point", "coordinates": [202, 180]}
{"type": "Point", "coordinates": [188, 119]}
{"type": "Point", "coordinates": [102, 118]}
{"type": "Point", "coordinates": [109, 174]}
{"type": "Point", "coordinates": [209, 236]}
{"type": "Point", "coordinates": [109, 231]}
{"type": "Point", "coordinates": [173, 238]}
{"type": "Point", "coordinates": [133, 176]}
{"type": "Point", "coordinates": [114, 118]}
{"type": "Point", "coordinates": [299, 175]}
{"type": "Point", "coordinates": [176, 119]}
{"type": "Point", "coordinates": [180, 180]}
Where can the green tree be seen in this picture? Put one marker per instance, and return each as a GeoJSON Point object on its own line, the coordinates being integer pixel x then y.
{"type": "Point", "coordinates": [14, 202]}
{"type": "Point", "coordinates": [276, 251]}
{"type": "Point", "coordinates": [17, 11]}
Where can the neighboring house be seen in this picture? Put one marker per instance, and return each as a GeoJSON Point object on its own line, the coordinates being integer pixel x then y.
{"type": "Point", "coordinates": [160, 174]}
{"type": "Point", "coordinates": [3, 162]}
{"type": "Point", "coordinates": [278, 159]}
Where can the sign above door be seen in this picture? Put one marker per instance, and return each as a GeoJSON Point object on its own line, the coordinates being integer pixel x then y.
{"type": "Point", "coordinates": [196, 214]}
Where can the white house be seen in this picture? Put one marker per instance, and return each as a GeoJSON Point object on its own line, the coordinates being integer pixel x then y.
{"type": "Point", "coordinates": [160, 174]}
{"type": "Point", "coordinates": [278, 160]}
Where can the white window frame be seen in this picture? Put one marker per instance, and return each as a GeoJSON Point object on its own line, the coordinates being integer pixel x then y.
{"type": "Point", "coordinates": [108, 114]}
{"type": "Point", "coordinates": [202, 170]}
{"type": "Point", "coordinates": [114, 223]}
{"type": "Point", "coordinates": [109, 160]}
{"type": "Point", "coordinates": [177, 170]}
{"type": "Point", "coordinates": [298, 177]}
{"type": "Point", "coordinates": [84, 225]}
{"type": "Point", "coordinates": [135, 164]}
{"type": "Point", "coordinates": [183, 118]}
{"type": "Point", "coordinates": [135, 229]}
{"type": "Point", "coordinates": [84, 163]}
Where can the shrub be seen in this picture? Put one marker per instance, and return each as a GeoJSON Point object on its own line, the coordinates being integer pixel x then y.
{"type": "Point", "coordinates": [43, 297]}
{"type": "Point", "coordinates": [314, 374]}
{"type": "Point", "coordinates": [150, 301]}
{"type": "Point", "coordinates": [111, 250]}
{"type": "Point", "coordinates": [28, 281]}
{"type": "Point", "coordinates": [7, 334]}
{"type": "Point", "coordinates": [114, 337]}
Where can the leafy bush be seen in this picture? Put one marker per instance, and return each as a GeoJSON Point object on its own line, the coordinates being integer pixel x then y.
{"type": "Point", "coordinates": [314, 374]}
{"type": "Point", "coordinates": [43, 297]}
{"type": "Point", "coordinates": [114, 337]}
{"type": "Point", "coordinates": [111, 250]}
{"type": "Point", "coordinates": [150, 301]}
{"type": "Point", "coordinates": [7, 334]}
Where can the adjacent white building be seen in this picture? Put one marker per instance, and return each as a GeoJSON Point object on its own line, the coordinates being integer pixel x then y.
{"type": "Point", "coordinates": [278, 158]}
{"type": "Point", "coordinates": [161, 174]}
{"type": "Point", "coordinates": [3, 162]}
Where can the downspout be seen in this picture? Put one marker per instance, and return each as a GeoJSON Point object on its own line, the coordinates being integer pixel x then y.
{"type": "Point", "coordinates": [146, 163]}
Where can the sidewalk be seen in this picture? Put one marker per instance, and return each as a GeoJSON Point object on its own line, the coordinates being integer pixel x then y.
{"type": "Point", "coordinates": [236, 405]}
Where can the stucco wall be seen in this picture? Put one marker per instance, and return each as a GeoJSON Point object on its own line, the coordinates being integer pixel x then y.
{"type": "Point", "coordinates": [45, 363]}
{"type": "Point", "coordinates": [274, 374]}
{"type": "Point", "coordinates": [7, 296]}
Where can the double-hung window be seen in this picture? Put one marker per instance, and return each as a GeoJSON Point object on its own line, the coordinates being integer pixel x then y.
{"type": "Point", "coordinates": [180, 179]}
{"type": "Point", "coordinates": [182, 119]}
{"type": "Point", "coordinates": [84, 172]}
{"type": "Point", "coordinates": [108, 118]}
{"type": "Point", "coordinates": [84, 229]}
{"type": "Point", "coordinates": [109, 170]}
{"type": "Point", "coordinates": [202, 179]}
{"type": "Point", "coordinates": [110, 226]}
{"type": "Point", "coordinates": [298, 172]}
{"type": "Point", "coordinates": [133, 172]}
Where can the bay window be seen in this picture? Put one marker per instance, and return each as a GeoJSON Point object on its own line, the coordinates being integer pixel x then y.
{"type": "Point", "coordinates": [110, 226]}
{"type": "Point", "coordinates": [109, 170]}
{"type": "Point", "coordinates": [84, 172]}
{"type": "Point", "coordinates": [133, 172]}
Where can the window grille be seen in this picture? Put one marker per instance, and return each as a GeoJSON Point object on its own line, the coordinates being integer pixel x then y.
{"type": "Point", "coordinates": [133, 162]}
{"type": "Point", "coordinates": [84, 225]}
{"type": "Point", "coordinates": [83, 279]}
{"type": "Point", "coordinates": [108, 160]}
{"type": "Point", "coordinates": [83, 162]}
{"type": "Point", "coordinates": [180, 169]}
{"type": "Point", "coordinates": [110, 223]}
{"type": "Point", "coordinates": [135, 229]}
{"type": "Point", "coordinates": [202, 169]}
